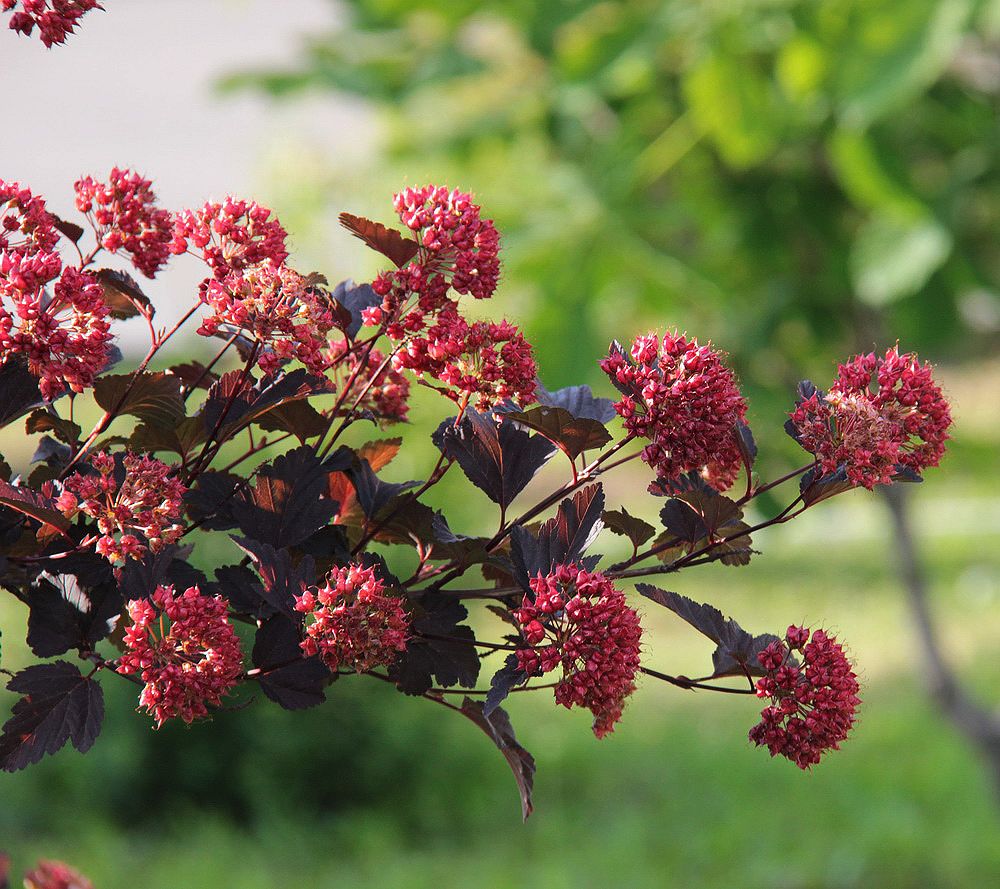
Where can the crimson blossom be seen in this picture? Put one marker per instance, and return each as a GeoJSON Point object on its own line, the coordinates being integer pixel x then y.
{"type": "Point", "coordinates": [881, 416]}
{"type": "Point", "coordinates": [579, 621]}
{"type": "Point", "coordinates": [193, 661]}
{"type": "Point", "coordinates": [26, 227]}
{"type": "Point", "coordinates": [354, 623]}
{"type": "Point", "coordinates": [680, 396]}
{"type": "Point", "coordinates": [139, 495]}
{"type": "Point", "coordinates": [55, 875]}
{"type": "Point", "coordinates": [813, 703]}
{"type": "Point", "coordinates": [125, 217]}
{"type": "Point", "coordinates": [55, 19]}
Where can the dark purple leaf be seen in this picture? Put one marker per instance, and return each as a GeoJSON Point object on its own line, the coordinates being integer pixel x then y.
{"type": "Point", "coordinates": [572, 435]}
{"type": "Point", "coordinates": [210, 501]}
{"type": "Point", "coordinates": [33, 504]}
{"type": "Point", "coordinates": [288, 503]}
{"type": "Point", "coordinates": [154, 398]}
{"type": "Point", "coordinates": [64, 615]}
{"type": "Point", "coordinates": [373, 494]}
{"type": "Point", "coordinates": [70, 229]}
{"type": "Point", "coordinates": [815, 487]}
{"type": "Point", "coordinates": [354, 298]}
{"type": "Point", "coordinates": [18, 390]}
{"type": "Point", "coordinates": [744, 662]}
{"type": "Point", "coordinates": [560, 540]}
{"type": "Point", "coordinates": [282, 580]}
{"type": "Point", "coordinates": [441, 648]}
{"type": "Point", "coordinates": [498, 728]}
{"type": "Point", "coordinates": [298, 417]}
{"type": "Point", "coordinates": [580, 401]}
{"type": "Point", "coordinates": [244, 591]}
{"type": "Point", "coordinates": [181, 439]}
{"type": "Point", "coordinates": [123, 295]}
{"type": "Point", "coordinates": [622, 522]}
{"type": "Point", "coordinates": [499, 459]}
{"type": "Point", "coordinates": [509, 676]}
{"type": "Point", "coordinates": [49, 421]}
{"type": "Point", "coordinates": [286, 675]}
{"type": "Point", "coordinates": [234, 401]}
{"type": "Point", "coordinates": [58, 705]}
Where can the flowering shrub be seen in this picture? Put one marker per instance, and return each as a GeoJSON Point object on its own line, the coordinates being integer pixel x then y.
{"type": "Point", "coordinates": [263, 447]}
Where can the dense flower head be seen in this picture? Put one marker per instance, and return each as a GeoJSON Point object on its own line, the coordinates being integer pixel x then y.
{"type": "Point", "coordinates": [881, 416]}
{"type": "Point", "coordinates": [230, 236]}
{"type": "Point", "coordinates": [25, 225]}
{"type": "Point", "coordinates": [55, 875]}
{"type": "Point", "coordinates": [682, 397]}
{"type": "Point", "coordinates": [353, 624]}
{"type": "Point", "coordinates": [814, 700]}
{"type": "Point", "coordinates": [375, 385]}
{"type": "Point", "coordinates": [137, 495]}
{"type": "Point", "coordinates": [278, 308]}
{"type": "Point", "coordinates": [124, 214]}
{"type": "Point", "coordinates": [485, 361]}
{"type": "Point", "coordinates": [579, 622]}
{"type": "Point", "coordinates": [185, 650]}
{"type": "Point", "coordinates": [458, 251]}
{"type": "Point", "coordinates": [55, 19]}
{"type": "Point", "coordinates": [61, 330]}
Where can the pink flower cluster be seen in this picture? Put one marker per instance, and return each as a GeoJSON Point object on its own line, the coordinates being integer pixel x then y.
{"type": "Point", "coordinates": [140, 496]}
{"type": "Point", "coordinates": [813, 703]}
{"type": "Point", "coordinates": [483, 360]}
{"type": "Point", "coordinates": [880, 415]}
{"type": "Point", "coordinates": [56, 19]}
{"type": "Point", "coordinates": [230, 236]}
{"type": "Point", "coordinates": [125, 217]}
{"type": "Point", "coordinates": [25, 225]}
{"type": "Point", "coordinates": [60, 330]}
{"type": "Point", "coordinates": [276, 306]}
{"type": "Point", "coordinates": [458, 250]}
{"type": "Point", "coordinates": [681, 397]}
{"type": "Point", "coordinates": [192, 663]}
{"type": "Point", "coordinates": [354, 623]}
{"type": "Point", "coordinates": [580, 622]}
{"type": "Point", "coordinates": [55, 875]}
{"type": "Point", "coordinates": [385, 392]}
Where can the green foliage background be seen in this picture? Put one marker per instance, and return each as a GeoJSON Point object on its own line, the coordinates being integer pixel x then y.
{"type": "Point", "coordinates": [791, 179]}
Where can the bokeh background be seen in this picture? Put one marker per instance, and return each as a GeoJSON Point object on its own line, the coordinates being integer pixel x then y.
{"type": "Point", "coordinates": [793, 180]}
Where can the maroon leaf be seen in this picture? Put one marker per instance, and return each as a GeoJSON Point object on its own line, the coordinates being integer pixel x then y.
{"type": "Point", "coordinates": [31, 503]}
{"type": "Point", "coordinates": [59, 705]}
{"type": "Point", "coordinates": [286, 505]}
{"type": "Point", "coordinates": [622, 522]}
{"type": "Point", "coordinates": [18, 390]}
{"type": "Point", "coordinates": [287, 676]}
{"type": "Point", "coordinates": [498, 728]}
{"type": "Point", "coordinates": [560, 540]}
{"type": "Point", "coordinates": [572, 435]}
{"type": "Point", "coordinates": [386, 241]}
{"type": "Point", "coordinates": [70, 229]}
{"type": "Point", "coordinates": [497, 458]}
{"type": "Point", "coordinates": [154, 398]}
{"type": "Point", "coordinates": [123, 295]}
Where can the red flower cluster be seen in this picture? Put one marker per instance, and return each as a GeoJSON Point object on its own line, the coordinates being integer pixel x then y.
{"type": "Point", "coordinates": [458, 250]}
{"type": "Point", "coordinates": [139, 495]}
{"type": "Point", "coordinates": [880, 415]}
{"type": "Point", "coordinates": [354, 623]}
{"type": "Point", "coordinates": [681, 397]}
{"type": "Point", "coordinates": [279, 308]}
{"type": "Point", "coordinates": [581, 622]}
{"type": "Point", "coordinates": [231, 236]}
{"type": "Point", "coordinates": [125, 217]}
{"type": "Point", "coordinates": [63, 333]}
{"type": "Point", "coordinates": [56, 19]}
{"type": "Point", "coordinates": [813, 703]}
{"type": "Point", "coordinates": [25, 225]}
{"type": "Point", "coordinates": [488, 361]}
{"type": "Point", "coordinates": [385, 393]}
{"type": "Point", "coordinates": [194, 661]}
{"type": "Point", "coordinates": [55, 875]}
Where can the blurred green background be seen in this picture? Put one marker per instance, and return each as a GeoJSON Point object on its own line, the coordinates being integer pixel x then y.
{"type": "Point", "coordinates": [794, 181]}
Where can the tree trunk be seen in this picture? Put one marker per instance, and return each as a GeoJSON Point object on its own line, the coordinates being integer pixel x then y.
{"type": "Point", "coordinates": [980, 725]}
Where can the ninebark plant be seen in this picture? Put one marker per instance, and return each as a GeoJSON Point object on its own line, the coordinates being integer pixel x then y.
{"type": "Point", "coordinates": [98, 533]}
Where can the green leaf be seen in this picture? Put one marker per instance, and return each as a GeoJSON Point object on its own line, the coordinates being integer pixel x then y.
{"type": "Point", "coordinates": [892, 259]}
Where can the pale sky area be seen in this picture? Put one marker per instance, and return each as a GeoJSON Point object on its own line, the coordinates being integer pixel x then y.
{"type": "Point", "coordinates": [134, 87]}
